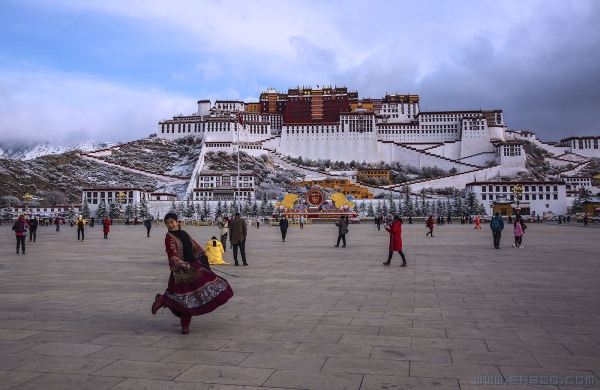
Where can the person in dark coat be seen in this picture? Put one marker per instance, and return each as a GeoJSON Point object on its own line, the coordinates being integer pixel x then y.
{"type": "Point", "coordinates": [378, 222]}
{"type": "Point", "coordinates": [342, 228]}
{"type": "Point", "coordinates": [33, 223]}
{"type": "Point", "coordinates": [395, 230]}
{"type": "Point", "coordinates": [238, 232]}
{"type": "Point", "coordinates": [283, 226]}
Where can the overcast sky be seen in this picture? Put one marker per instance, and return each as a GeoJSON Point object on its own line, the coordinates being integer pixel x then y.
{"type": "Point", "coordinates": [109, 70]}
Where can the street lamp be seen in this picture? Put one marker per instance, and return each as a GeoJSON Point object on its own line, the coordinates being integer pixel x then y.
{"type": "Point", "coordinates": [518, 191]}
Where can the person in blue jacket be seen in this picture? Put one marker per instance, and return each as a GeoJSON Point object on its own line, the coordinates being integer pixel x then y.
{"type": "Point", "coordinates": [497, 225]}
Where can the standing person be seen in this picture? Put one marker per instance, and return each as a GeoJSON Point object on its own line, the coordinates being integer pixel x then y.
{"type": "Point", "coordinates": [585, 220]}
{"type": "Point", "coordinates": [283, 226]}
{"type": "Point", "coordinates": [302, 222]}
{"type": "Point", "coordinates": [257, 222]}
{"type": "Point", "coordinates": [342, 230]}
{"type": "Point", "coordinates": [148, 225]}
{"type": "Point", "coordinates": [238, 231]}
{"type": "Point", "coordinates": [395, 230]}
{"type": "Point", "coordinates": [57, 223]}
{"type": "Point", "coordinates": [497, 225]}
{"type": "Point", "coordinates": [105, 227]}
{"type": "Point", "coordinates": [193, 288]}
{"type": "Point", "coordinates": [20, 227]}
{"type": "Point", "coordinates": [378, 223]}
{"type": "Point", "coordinates": [80, 223]}
{"type": "Point", "coordinates": [410, 219]}
{"type": "Point", "coordinates": [214, 250]}
{"type": "Point", "coordinates": [429, 224]}
{"type": "Point", "coordinates": [33, 224]}
{"type": "Point", "coordinates": [224, 230]}
{"type": "Point", "coordinates": [518, 232]}
{"type": "Point", "coordinates": [92, 222]}
{"type": "Point", "coordinates": [135, 221]}
{"type": "Point", "coordinates": [477, 222]}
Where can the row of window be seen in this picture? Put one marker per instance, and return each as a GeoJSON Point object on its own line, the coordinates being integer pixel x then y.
{"type": "Point", "coordinates": [526, 188]}
{"type": "Point", "coordinates": [525, 197]}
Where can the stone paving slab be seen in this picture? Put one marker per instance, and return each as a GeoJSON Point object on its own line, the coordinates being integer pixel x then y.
{"type": "Point", "coordinates": [305, 315]}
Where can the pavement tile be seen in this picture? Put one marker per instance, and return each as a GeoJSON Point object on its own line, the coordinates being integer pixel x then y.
{"type": "Point", "coordinates": [63, 349]}
{"type": "Point", "coordinates": [134, 340]}
{"type": "Point", "coordinates": [10, 379]}
{"type": "Point", "coordinates": [215, 358]}
{"type": "Point", "coordinates": [329, 350]}
{"type": "Point", "coordinates": [144, 370]}
{"type": "Point", "coordinates": [366, 366]}
{"type": "Point", "coordinates": [451, 344]}
{"type": "Point", "coordinates": [68, 382]}
{"type": "Point", "coordinates": [325, 338]}
{"type": "Point", "coordinates": [14, 346]}
{"type": "Point", "coordinates": [264, 347]}
{"type": "Point", "coordinates": [411, 354]}
{"type": "Point", "coordinates": [314, 381]}
{"type": "Point", "coordinates": [153, 384]}
{"type": "Point", "coordinates": [376, 341]}
{"type": "Point", "coordinates": [282, 362]}
{"type": "Point", "coordinates": [66, 364]}
{"type": "Point", "coordinates": [193, 342]}
{"type": "Point", "coordinates": [403, 382]}
{"type": "Point", "coordinates": [586, 363]}
{"type": "Point", "coordinates": [121, 352]}
{"type": "Point", "coordinates": [62, 337]}
{"type": "Point", "coordinates": [452, 370]}
{"type": "Point", "coordinates": [550, 375]}
{"type": "Point", "coordinates": [16, 334]}
{"type": "Point", "coordinates": [226, 375]}
{"type": "Point", "coordinates": [519, 358]}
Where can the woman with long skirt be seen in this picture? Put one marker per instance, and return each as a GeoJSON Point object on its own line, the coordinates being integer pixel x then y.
{"type": "Point", "coordinates": [193, 288]}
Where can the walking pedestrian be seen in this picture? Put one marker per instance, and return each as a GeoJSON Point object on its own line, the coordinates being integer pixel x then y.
{"type": "Point", "coordinates": [429, 225]}
{"type": "Point", "coordinates": [80, 223]}
{"type": "Point", "coordinates": [57, 223]}
{"type": "Point", "coordinates": [238, 231]}
{"type": "Point", "coordinates": [342, 230]}
{"type": "Point", "coordinates": [214, 250]}
{"type": "Point", "coordinates": [92, 222]}
{"type": "Point", "coordinates": [193, 288]}
{"type": "Point", "coordinates": [257, 222]}
{"type": "Point", "coordinates": [283, 227]}
{"type": "Point", "coordinates": [378, 222]}
{"type": "Point", "coordinates": [477, 222]}
{"type": "Point", "coordinates": [301, 222]}
{"type": "Point", "coordinates": [518, 232]}
{"type": "Point", "coordinates": [20, 227]}
{"type": "Point", "coordinates": [395, 230]}
{"type": "Point", "coordinates": [106, 227]}
{"type": "Point", "coordinates": [33, 224]}
{"type": "Point", "coordinates": [497, 225]}
{"type": "Point", "coordinates": [224, 230]}
{"type": "Point", "coordinates": [148, 224]}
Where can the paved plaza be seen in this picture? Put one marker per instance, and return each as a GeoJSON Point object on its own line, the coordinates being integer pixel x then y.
{"type": "Point", "coordinates": [306, 315]}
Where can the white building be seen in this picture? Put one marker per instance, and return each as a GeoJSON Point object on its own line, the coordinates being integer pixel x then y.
{"type": "Point", "coordinates": [223, 185]}
{"type": "Point", "coordinates": [536, 198]}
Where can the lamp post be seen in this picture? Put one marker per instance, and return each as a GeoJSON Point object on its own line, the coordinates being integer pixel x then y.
{"type": "Point", "coordinates": [27, 198]}
{"type": "Point", "coordinates": [518, 191]}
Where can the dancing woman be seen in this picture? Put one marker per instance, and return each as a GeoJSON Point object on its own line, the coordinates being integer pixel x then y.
{"type": "Point", "coordinates": [193, 288]}
{"type": "Point", "coordinates": [395, 230]}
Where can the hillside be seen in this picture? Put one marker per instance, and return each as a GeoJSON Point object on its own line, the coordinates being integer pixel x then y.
{"type": "Point", "coordinates": [31, 152]}
{"type": "Point", "coordinates": [159, 155]}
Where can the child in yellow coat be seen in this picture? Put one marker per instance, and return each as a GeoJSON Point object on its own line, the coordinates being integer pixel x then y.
{"type": "Point", "coordinates": [214, 250]}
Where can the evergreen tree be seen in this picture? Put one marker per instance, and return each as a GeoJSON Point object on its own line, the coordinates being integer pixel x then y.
{"type": "Point", "coordinates": [384, 209]}
{"type": "Point", "coordinates": [439, 208]}
{"type": "Point", "coordinates": [233, 208]}
{"type": "Point", "coordinates": [144, 213]}
{"type": "Point", "coordinates": [263, 205]}
{"type": "Point", "coordinates": [173, 208]}
{"type": "Point", "coordinates": [102, 211]}
{"type": "Point", "coordinates": [226, 209]}
{"type": "Point", "coordinates": [206, 210]}
{"type": "Point", "coordinates": [378, 209]}
{"type": "Point", "coordinates": [85, 209]}
{"type": "Point", "coordinates": [248, 204]}
{"type": "Point", "coordinates": [370, 211]}
{"type": "Point", "coordinates": [392, 206]}
{"type": "Point", "coordinates": [271, 209]}
{"type": "Point", "coordinates": [219, 210]}
{"type": "Point", "coordinates": [188, 210]}
{"type": "Point", "coordinates": [136, 210]}
{"type": "Point", "coordinates": [481, 209]}
{"type": "Point", "coordinates": [113, 210]}
{"type": "Point", "coordinates": [129, 210]}
{"type": "Point", "coordinates": [255, 209]}
{"type": "Point", "coordinates": [427, 209]}
{"type": "Point", "coordinates": [471, 204]}
{"type": "Point", "coordinates": [409, 209]}
{"type": "Point", "coordinates": [449, 209]}
{"type": "Point", "coordinates": [71, 212]}
{"type": "Point", "coordinates": [458, 203]}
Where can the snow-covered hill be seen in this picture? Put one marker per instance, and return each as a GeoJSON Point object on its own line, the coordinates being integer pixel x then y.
{"type": "Point", "coordinates": [45, 148]}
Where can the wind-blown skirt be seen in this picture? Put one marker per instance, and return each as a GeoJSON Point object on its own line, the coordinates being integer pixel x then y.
{"type": "Point", "coordinates": [196, 292]}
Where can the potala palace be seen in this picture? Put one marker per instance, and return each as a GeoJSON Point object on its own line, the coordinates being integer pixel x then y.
{"type": "Point", "coordinates": [332, 123]}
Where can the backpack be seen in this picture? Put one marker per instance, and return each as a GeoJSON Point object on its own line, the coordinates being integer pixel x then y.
{"type": "Point", "coordinates": [19, 226]}
{"type": "Point", "coordinates": [495, 225]}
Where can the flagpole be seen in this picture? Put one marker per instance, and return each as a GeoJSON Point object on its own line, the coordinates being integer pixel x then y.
{"type": "Point", "coordinates": [238, 164]}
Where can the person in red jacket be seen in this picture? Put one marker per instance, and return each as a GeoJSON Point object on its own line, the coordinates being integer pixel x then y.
{"type": "Point", "coordinates": [20, 227]}
{"type": "Point", "coordinates": [106, 227]}
{"type": "Point", "coordinates": [429, 224]}
{"type": "Point", "coordinates": [395, 230]}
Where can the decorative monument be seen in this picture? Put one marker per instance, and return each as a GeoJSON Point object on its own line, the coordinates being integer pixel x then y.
{"type": "Point", "coordinates": [315, 204]}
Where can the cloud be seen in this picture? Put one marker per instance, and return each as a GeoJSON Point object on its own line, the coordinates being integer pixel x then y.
{"type": "Point", "coordinates": [64, 108]}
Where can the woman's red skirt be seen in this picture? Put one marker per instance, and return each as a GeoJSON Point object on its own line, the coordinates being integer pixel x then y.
{"type": "Point", "coordinates": [202, 295]}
